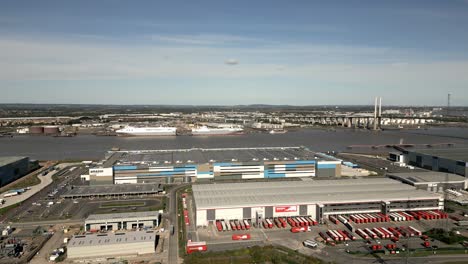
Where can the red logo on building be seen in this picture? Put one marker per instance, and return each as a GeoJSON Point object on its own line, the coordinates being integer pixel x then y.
{"type": "Point", "coordinates": [285, 209]}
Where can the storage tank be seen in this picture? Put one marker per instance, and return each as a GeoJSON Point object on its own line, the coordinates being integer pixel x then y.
{"type": "Point", "coordinates": [51, 130]}
{"type": "Point", "coordinates": [36, 130]}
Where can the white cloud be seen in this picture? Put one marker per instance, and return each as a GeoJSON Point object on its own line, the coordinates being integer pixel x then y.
{"type": "Point", "coordinates": [202, 39]}
{"type": "Point", "coordinates": [89, 59]}
{"type": "Point", "coordinates": [231, 62]}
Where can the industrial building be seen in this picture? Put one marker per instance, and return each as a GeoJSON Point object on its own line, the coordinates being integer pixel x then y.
{"type": "Point", "coordinates": [111, 245]}
{"type": "Point", "coordinates": [13, 168]}
{"type": "Point", "coordinates": [187, 165]}
{"type": "Point", "coordinates": [256, 201]}
{"type": "Point", "coordinates": [452, 160]}
{"type": "Point", "coordinates": [113, 191]}
{"type": "Point", "coordinates": [431, 181]}
{"type": "Point", "coordinates": [122, 221]}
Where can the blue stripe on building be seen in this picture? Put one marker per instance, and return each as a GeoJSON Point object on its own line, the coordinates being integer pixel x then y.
{"type": "Point", "coordinates": [311, 162]}
{"type": "Point", "coordinates": [119, 168]}
{"type": "Point", "coordinates": [326, 166]}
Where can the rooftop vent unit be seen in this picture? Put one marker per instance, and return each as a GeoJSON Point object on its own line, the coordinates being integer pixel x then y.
{"type": "Point", "coordinates": [189, 161]}
{"type": "Point", "coordinates": [212, 160]}
{"type": "Point", "coordinates": [286, 158]}
{"type": "Point", "coordinates": [296, 158]}
{"type": "Point", "coordinates": [234, 160]}
{"type": "Point", "coordinates": [166, 162]}
{"type": "Point", "coordinates": [275, 159]}
{"type": "Point", "coordinates": [178, 161]}
{"type": "Point", "coordinates": [255, 159]}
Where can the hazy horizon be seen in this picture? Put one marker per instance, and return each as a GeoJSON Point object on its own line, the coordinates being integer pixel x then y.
{"type": "Point", "coordinates": [306, 53]}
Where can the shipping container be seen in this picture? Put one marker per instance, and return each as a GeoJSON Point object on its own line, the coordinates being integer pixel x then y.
{"type": "Point", "coordinates": [340, 237]}
{"type": "Point", "coordinates": [415, 215]}
{"type": "Point", "coordinates": [233, 225]}
{"type": "Point", "coordinates": [371, 218]}
{"type": "Point", "coordinates": [349, 226]}
{"type": "Point", "coordinates": [370, 233]}
{"type": "Point", "coordinates": [326, 238]}
{"type": "Point", "coordinates": [345, 237]}
{"type": "Point", "coordinates": [241, 223]}
{"type": "Point", "coordinates": [247, 224]}
{"type": "Point", "coordinates": [379, 233]}
{"type": "Point", "coordinates": [333, 219]}
{"type": "Point", "coordinates": [306, 221]}
{"type": "Point", "coordinates": [416, 231]}
{"type": "Point", "coordinates": [350, 235]}
{"type": "Point", "coordinates": [219, 226]}
{"type": "Point", "coordinates": [333, 235]}
{"type": "Point", "coordinates": [394, 232]}
{"type": "Point", "coordinates": [363, 234]}
{"type": "Point", "coordinates": [270, 223]}
{"type": "Point", "coordinates": [298, 223]}
{"type": "Point", "coordinates": [342, 219]}
{"type": "Point", "coordinates": [301, 222]}
{"type": "Point", "coordinates": [390, 234]}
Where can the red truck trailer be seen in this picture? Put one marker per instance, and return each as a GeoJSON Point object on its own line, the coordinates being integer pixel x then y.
{"type": "Point", "coordinates": [196, 247]}
{"type": "Point", "coordinates": [241, 237]}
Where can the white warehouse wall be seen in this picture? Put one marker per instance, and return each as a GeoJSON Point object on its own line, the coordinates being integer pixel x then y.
{"type": "Point", "coordinates": [235, 213]}
{"type": "Point", "coordinates": [201, 218]}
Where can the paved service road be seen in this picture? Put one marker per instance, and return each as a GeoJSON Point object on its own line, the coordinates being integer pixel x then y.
{"type": "Point", "coordinates": [46, 180]}
{"type": "Point", "coordinates": [172, 216]}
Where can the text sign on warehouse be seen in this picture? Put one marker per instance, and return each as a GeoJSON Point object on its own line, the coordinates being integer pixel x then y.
{"type": "Point", "coordinates": [285, 209]}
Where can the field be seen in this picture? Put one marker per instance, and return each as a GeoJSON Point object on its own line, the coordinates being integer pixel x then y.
{"type": "Point", "coordinates": [256, 254]}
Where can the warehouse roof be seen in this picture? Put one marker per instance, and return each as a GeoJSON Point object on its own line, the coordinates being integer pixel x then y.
{"type": "Point", "coordinates": [198, 155]}
{"type": "Point", "coordinates": [100, 190]}
{"type": "Point", "coordinates": [123, 216]}
{"type": "Point", "coordinates": [7, 160]}
{"type": "Point", "coordinates": [225, 195]}
{"type": "Point", "coordinates": [460, 154]}
{"type": "Point", "coordinates": [427, 177]}
{"type": "Point", "coordinates": [111, 238]}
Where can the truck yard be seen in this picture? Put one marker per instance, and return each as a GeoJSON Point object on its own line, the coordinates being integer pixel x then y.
{"type": "Point", "coordinates": [360, 235]}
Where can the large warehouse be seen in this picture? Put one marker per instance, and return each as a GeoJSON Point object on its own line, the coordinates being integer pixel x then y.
{"type": "Point", "coordinates": [111, 245]}
{"type": "Point", "coordinates": [315, 198]}
{"type": "Point", "coordinates": [122, 221]}
{"type": "Point", "coordinates": [452, 160]}
{"type": "Point", "coordinates": [431, 180]}
{"type": "Point", "coordinates": [12, 168]}
{"type": "Point", "coordinates": [213, 164]}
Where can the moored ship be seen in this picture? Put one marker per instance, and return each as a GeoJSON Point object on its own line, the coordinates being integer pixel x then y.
{"type": "Point", "coordinates": [147, 131]}
{"type": "Point", "coordinates": [206, 131]}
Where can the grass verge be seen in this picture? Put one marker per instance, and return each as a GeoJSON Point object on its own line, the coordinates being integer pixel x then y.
{"type": "Point", "coordinates": [4, 210]}
{"type": "Point", "coordinates": [256, 254]}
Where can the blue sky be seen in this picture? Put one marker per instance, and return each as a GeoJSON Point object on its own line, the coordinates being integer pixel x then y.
{"type": "Point", "coordinates": [234, 52]}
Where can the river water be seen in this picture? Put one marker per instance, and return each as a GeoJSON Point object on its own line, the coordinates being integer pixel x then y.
{"type": "Point", "coordinates": [94, 147]}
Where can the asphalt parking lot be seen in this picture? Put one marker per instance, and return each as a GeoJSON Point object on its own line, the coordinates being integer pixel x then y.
{"type": "Point", "coordinates": [219, 241]}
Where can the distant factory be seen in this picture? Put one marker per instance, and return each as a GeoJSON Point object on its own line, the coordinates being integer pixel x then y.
{"type": "Point", "coordinates": [13, 168]}
{"type": "Point", "coordinates": [451, 160]}
{"type": "Point", "coordinates": [146, 166]}
{"type": "Point", "coordinates": [432, 181]}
